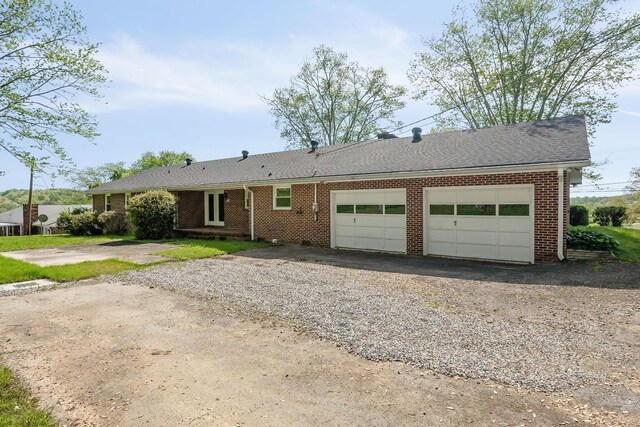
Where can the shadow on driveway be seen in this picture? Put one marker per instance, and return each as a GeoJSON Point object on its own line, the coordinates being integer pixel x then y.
{"type": "Point", "coordinates": [614, 275]}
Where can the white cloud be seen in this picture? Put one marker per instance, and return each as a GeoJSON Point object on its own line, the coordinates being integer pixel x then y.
{"type": "Point", "coordinates": [230, 75]}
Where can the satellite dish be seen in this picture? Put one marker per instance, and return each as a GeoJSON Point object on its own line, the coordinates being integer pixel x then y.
{"type": "Point", "coordinates": [43, 218]}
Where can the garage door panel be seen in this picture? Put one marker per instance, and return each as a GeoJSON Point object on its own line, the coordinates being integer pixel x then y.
{"type": "Point", "coordinates": [439, 197]}
{"type": "Point", "coordinates": [369, 243]}
{"type": "Point", "coordinates": [477, 237]}
{"type": "Point", "coordinates": [476, 196]}
{"type": "Point", "coordinates": [345, 241]}
{"type": "Point", "coordinates": [395, 221]}
{"type": "Point", "coordinates": [395, 245]}
{"type": "Point", "coordinates": [514, 195]}
{"type": "Point", "coordinates": [514, 253]}
{"type": "Point", "coordinates": [500, 230]}
{"type": "Point", "coordinates": [514, 239]}
{"type": "Point", "coordinates": [395, 197]}
{"type": "Point", "coordinates": [346, 220]}
{"type": "Point", "coordinates": [441, 222]}
{"type": "Point", "coordinates": [370, 232]}
{"type": "Point", "coordinates": [441, 235]}
{"type": "Point", "coordinates": [477, 223]}
{"type": "Point", "coordinates": [371, 226]}
{"type": "Point", "coordinates": [442, 248]}
{"type": "Point", "coordinates": [476, 251]}
{"type": "Point", "coordinates": [511, 224]}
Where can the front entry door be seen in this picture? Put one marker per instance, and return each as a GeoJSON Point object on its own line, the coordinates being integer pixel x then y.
{"type": "Point", "coordinates": [214, 208]}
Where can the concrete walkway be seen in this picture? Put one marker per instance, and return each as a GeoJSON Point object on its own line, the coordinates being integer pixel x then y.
{"type": "Point", "coordinates": [138, 253]}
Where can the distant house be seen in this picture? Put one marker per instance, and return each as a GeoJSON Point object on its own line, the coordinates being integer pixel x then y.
{"type": "Point", "coordinates": [15, 221]}
{"type": "Point", "coordinates": [499, 193]}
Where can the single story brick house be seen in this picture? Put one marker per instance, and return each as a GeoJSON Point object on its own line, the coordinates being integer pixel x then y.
{"type": "Point", "coordinates": [499, 193]}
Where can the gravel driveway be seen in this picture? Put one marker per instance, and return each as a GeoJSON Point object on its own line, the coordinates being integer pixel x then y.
{"type": "Point", "coordinates": [399, 317]}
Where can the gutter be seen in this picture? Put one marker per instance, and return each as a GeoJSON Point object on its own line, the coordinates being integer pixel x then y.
{"type": "Point", "coordinates": [561, 214]}
{"type": "Point", "coordinates": [251, 220]}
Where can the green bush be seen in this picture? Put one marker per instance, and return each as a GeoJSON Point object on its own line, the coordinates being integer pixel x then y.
{"type": "Point", "coordinates": [583, 238]}
{"type": "Point", "coordinates": [80, 222]}
{"type": "Point", "coordinates": [578, 215]}
{"type": "Point", "coordinates": [113, 222]}
{"type": "Point", "coordinates": [152, 214]}
{"type": "Point", "coordinates": [610, 215]}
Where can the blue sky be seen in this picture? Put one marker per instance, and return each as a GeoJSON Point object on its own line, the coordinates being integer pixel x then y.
{"type": "Point", "coordinates": [186, 76]}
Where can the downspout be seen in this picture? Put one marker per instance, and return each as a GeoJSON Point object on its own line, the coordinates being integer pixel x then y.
{"type": "Point", "coordinates": [561, 214]}
{"type": "Point", "coordinates": [253, 234]}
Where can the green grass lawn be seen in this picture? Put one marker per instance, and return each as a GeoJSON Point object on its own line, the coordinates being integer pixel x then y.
{"type": "Point", "coordinates": [18, 243]}
{"type": "Point", "coordinates": [12, 270]}
{"type": "Point", "coordinates": [194, 249]}
{"type": "Point", "coordinates": [17, 408]}
{"type": "Point", "coordinates": [629, 240]}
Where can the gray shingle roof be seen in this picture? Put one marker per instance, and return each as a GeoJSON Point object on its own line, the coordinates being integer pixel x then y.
{"type": "Point", "coordinates": [560, 140]}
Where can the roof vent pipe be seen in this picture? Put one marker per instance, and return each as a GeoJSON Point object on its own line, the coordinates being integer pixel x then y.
{"type": "Point", "coordinates": [314, 145]}
{"type": "Point", "coordinates": [188, 161]}
{"type": "Point", "coordinates": [417, 137]}
{"type": "Point", "coordinates": [245, 154]}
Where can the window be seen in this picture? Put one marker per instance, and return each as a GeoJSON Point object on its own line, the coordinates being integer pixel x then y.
{"type": "Point", "coordinates": [126, 200]}
{"type": "Point", "coordinates": [107, 202]}
{"type": "Point", "coordinates": [394, 209]}
{"type": "Point", "coordinates": [369, 209]}
{"type": "Point", "coordinates": [514, 210]}
{"type": "Point", "coordinates": [441, 209]}
{"type": "Point", "coordinates": [281, 197]}
{"type": "Point", "coordinates": [476, 209]}
{"type": "Point", "coordinates": [344, 209]}
{"type": "Point", "coordinates": [246, 198]}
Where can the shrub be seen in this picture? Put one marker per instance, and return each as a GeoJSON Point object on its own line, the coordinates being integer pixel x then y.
{"type": "Point", "coordinates": [80, 222]}
{"type": "Point", "coordinates": [152, 214]}
{"type": "Point", "coordinates": [113, 222]}
{"type": "Point", "coordinates": [610, 215]}
{"type": "Point", "coordinates": [583, 238]}
{"type": "Point", "coordinates": [578, 215]}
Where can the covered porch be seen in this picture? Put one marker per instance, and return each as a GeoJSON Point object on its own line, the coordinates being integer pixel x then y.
{"type": "Point", "coordinates": [217, 213]}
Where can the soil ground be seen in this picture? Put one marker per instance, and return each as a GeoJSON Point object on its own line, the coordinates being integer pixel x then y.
{"type": "Point", "coordinates": [126, 355]}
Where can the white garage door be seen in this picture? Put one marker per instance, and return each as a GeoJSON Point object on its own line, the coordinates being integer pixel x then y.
{"type": "Point", "coordinates": [369, 219]}
{"type": "Point", "coordinates": [485, 222]}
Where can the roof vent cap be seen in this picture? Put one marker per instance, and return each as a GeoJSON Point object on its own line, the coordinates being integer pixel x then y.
{"type": "Point", "coordinates": [314, 145]}
{"type": "Point", "coordinates": [386, 135]}
{"type": "Point", "coordinates": [417, 137]}
{"type": "Point", "coordinates": [245, 154]}
{"type": "Point", "coordinates": [188, 161]}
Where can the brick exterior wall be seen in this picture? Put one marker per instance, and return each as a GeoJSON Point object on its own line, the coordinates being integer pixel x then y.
{"type": "Point", "coordinates": [236, 217]}
{"type": "Point", "coordinates": [98, 202]}
{"type": "Point", "coordinates": [190, 209]}
{"type": "Point", "coordinates": [298, 225]}
{"type": "Point", "coordinates": [27, 220]}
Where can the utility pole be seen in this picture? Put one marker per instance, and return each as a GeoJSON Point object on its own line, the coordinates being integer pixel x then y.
{"type": "Point", "coordinates": [33, 161]}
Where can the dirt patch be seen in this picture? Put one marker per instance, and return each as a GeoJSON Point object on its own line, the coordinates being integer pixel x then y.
{"type": "Point", "coordinates": [107, 354]}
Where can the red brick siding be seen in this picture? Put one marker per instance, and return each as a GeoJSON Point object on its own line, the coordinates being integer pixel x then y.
{"type": "Point", "coordinates": [98, 202]}
{"type": "Point", "coordinates": [298, 225]}
{"type": "Point", "coordinates": [29, 219]}
{"type": "Point", "coordinates": [236, 217]}
{"type": "Point", "coordinates": [190, 209]}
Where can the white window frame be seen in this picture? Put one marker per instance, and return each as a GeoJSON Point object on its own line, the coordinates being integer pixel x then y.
{"type": "Point", "coordinates": [275, 192]}
{"type": "Point", "coordinates": [126, 200]}
{"type": "Point", "coordinates": [246, 198]}
{"type": "Point", "coordinates": [107, 203]}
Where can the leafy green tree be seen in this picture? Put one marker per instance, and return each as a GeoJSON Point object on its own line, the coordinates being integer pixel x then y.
{"type": "Point", "coordinates": [150, 160]}
{"type": "Point", "coordinates": [522, 60]}
{"type": "Point", "coordinates": [634, 184]}
{"type": "Point", "coordinates": [91, 177]}
{"type": "Point", "coordinates": [334, 101]}
{"type": "Point", "coordinates": [46, 63]}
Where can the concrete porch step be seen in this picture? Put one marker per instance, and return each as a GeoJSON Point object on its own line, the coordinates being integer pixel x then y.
{"type": "Point", "coordinates": [213, 233]}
